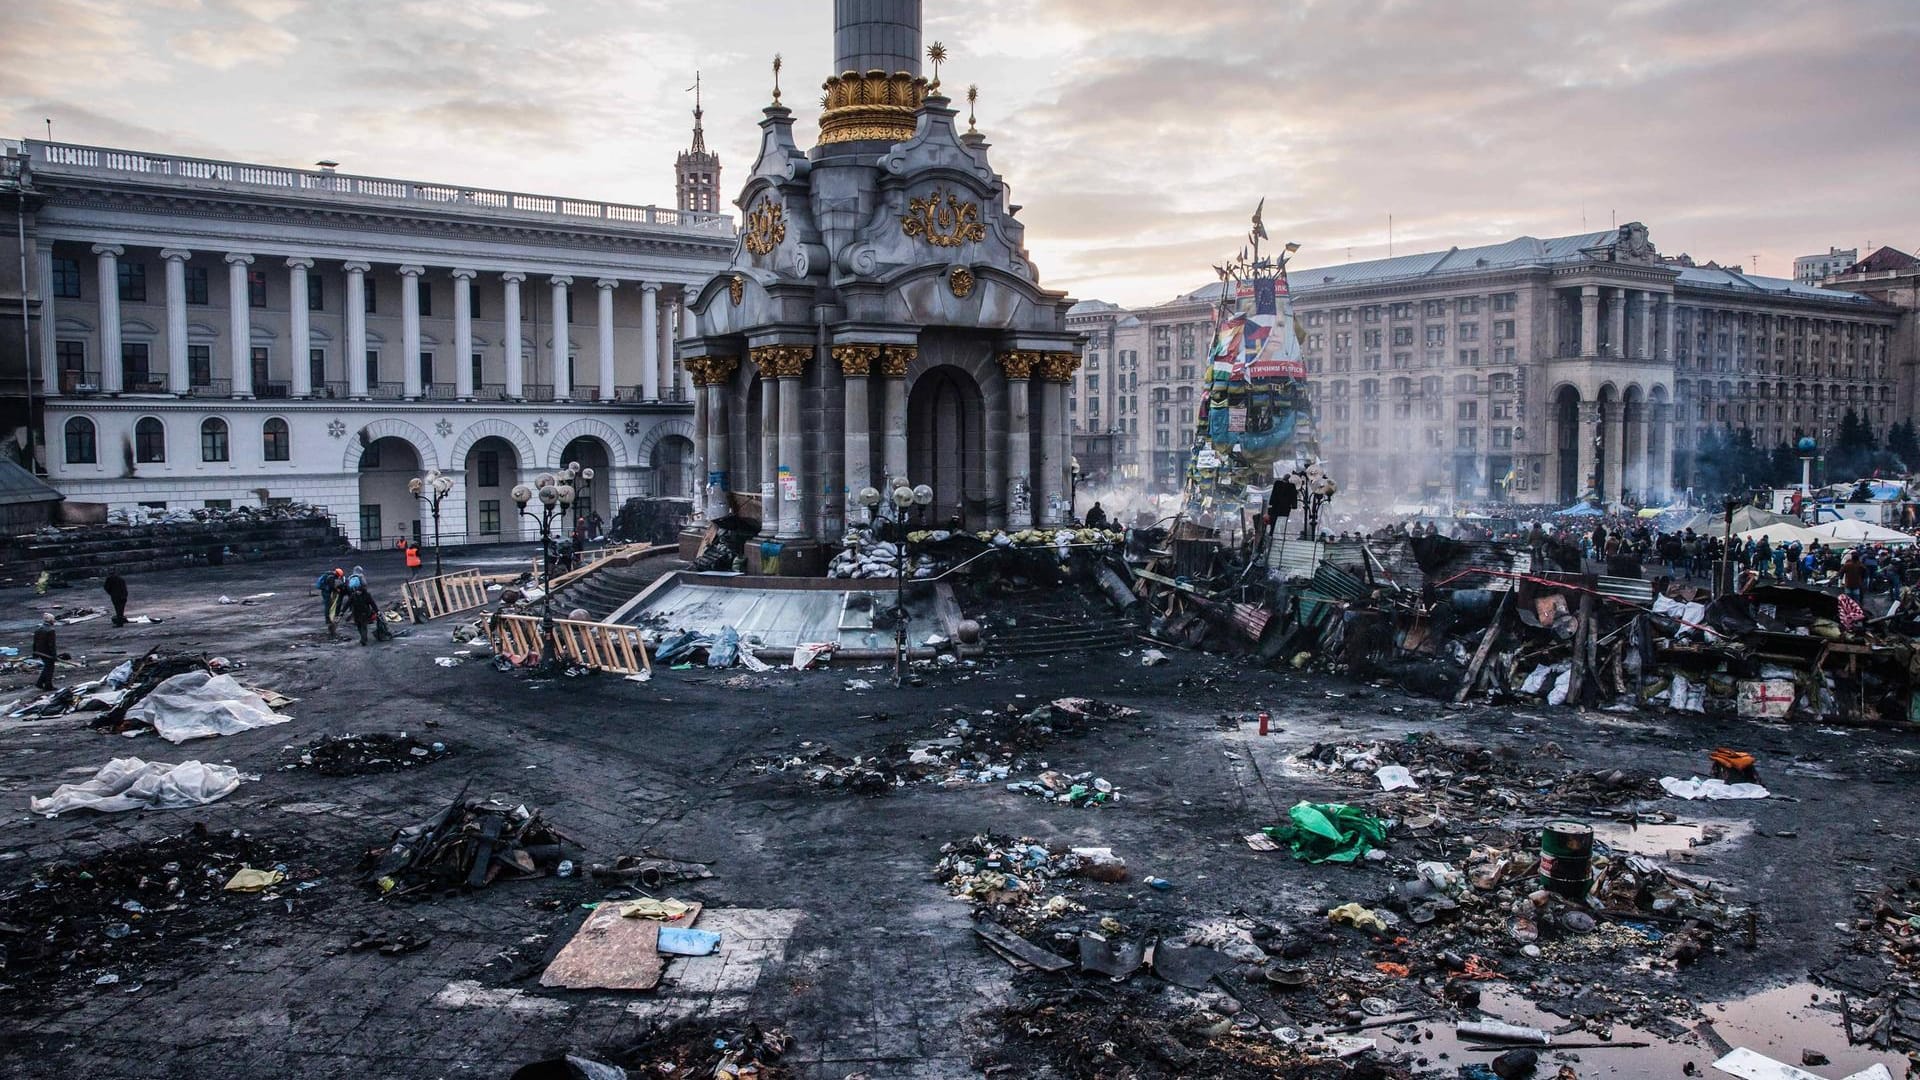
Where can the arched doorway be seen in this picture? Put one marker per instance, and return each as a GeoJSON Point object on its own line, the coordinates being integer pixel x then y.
{"type": "Point", "coordinates": [673, 467]}
{"type": "Point", "coordinates": [1566, 444]}
{"type": "Point", "coordinates": [388, 511]}
{"type": "Point", "coordinates": [594, 496]}
{"type": "Point", "coordinates": [946, 443]}
{"type": "Point", "coordinates": [493, 468]}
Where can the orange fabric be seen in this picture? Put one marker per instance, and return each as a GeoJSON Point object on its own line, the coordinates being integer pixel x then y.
{"type": "Point", "coordinates": [413, 558]}
{"type": "Point", "coordinates": [1732, 759]}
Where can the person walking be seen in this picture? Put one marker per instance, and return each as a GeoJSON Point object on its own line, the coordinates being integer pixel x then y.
{"type": "Point", "coordinates": [45, 651]}
{"type": "Point", "coordinates": [116, 589]}
{"type": "Point", "coordinates": [333, 596]}
{"type": "Point", "coordinates": [413, 560]}
{"type": "Point", "coordinates": [364, 610]}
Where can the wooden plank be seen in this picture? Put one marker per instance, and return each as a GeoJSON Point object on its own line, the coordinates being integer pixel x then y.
{"type": "Point", "coordinates": [1003, 939]}
{"type": "Point", "coordinates": [1486, 648]}
{"type": "Point", "coordinates": [612, 952]}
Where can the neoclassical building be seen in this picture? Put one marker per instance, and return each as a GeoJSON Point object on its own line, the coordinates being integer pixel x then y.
{"type": "Point", "coordinates": [880, 321]}
{"type": "Point", "coordinates": [1531, 370]}
{"type": "Point", "coordinates": [209, 333]}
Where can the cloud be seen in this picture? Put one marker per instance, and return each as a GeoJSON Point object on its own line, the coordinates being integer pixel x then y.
{"type": "Point", "coordinates": [223, 49]}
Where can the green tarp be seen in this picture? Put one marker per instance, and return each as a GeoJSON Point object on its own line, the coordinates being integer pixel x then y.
{"type": "Point", "coordinates": [1329, 832]}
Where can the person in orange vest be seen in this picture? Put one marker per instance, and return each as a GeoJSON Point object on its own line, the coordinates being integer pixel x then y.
{"type": "Point", "coordinates": [413, 560]}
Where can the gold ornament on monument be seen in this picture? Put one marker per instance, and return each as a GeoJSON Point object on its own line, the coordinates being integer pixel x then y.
{"type": "Point", "coordinates": [943, 219]}
{"type": "Point", "coordinates": [736, 289]}
{"type": "Point", "coordinates": [766, 227]}
{"type": "Point", "coordinates": [960, 280]}
{"type": "Point", "coordinates": [871, 106]}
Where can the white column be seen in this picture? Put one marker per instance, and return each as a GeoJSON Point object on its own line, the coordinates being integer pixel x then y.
{"type": "Point", "coordinates": [770, 509]}
{"type": "Point", "coordinates": [179, 378]}
{"type": "Point", "coordinates": [668, 377]}
{"type": "Point", "coordinates": [109, 266]}
{"type": "Point", "coordinates": [299, 334]}
{"type": "Point", "coordinates": [562, 362]}
{"type": "Point", "coordinates": [463, 334]}
{"type": "Point", "coordinates": [1052, 494]}
{"type": "Point", "coordinates": [649, 341]}
{"type": "Point", "coordinates": [49, 352]}
{"type": "Point", "coordinates": [1018, 367]}
{"type": "Point", "coordinates": [606, 287]}
{"type": "Point", "coordinates": [410, 332]}
{"type": "Point", "coordinates": [793, 448]}
{"type": "Point", "coordinates": [686, 328]}
{"type": "Point", "coordinates": [239, 324]}
{"type": "Point", "coordinates": [1666, 327]}
{"type": "Point", "coordinates": [856, 363]}
{"type": "Point", "coordinates": [510, 311]}
{"type": "Point", "coordinates": [893, 415]}
{"type": "Point", "coordinates": [356, 358]}
{"type": "Point", "coordinates": [719, 478]}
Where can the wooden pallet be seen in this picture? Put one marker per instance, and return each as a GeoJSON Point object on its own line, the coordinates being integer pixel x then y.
{"type": "Point", "coordinates": [447, 594]}
{"type": "Point", "coordinates": [610, 647]}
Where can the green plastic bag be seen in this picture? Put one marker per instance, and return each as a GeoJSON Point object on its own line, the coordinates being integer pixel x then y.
{"type": "Point", "coordinates": [1329, 832]}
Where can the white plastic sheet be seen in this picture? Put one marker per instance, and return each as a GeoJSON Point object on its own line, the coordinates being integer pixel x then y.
{"type": "Point", "coordinates": [196, 704]}
{"type": "Point", "coordinates": [1715, 789]}
{"type": "Point", "coordinates": [133, 784]}
{"type": "Point", "coordinates": [1394, 777]}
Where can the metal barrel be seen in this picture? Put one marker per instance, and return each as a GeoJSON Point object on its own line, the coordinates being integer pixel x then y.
{"type": "Point", "coordinates": [1566, 859]}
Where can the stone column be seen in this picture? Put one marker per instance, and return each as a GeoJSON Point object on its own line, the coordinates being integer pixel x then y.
{"type": "Point", "coordinates": [1056, 448]}
{"type": "Point", "coordinates": [700, 431]}
{"type": "Point", "coordinates": [1589, 321]}
{"type": "Point", "coordinates": [669, 378]}
{"type": "Point", "coordinates": [790, 367]}
{"type": "Point", "coordinates": [562, 359]}
{"type": "Point", "coordinates": [299, 330]}
{"type": "Point", "coordinates": [356, 358]}
{"type": "Point", "coordinates": [769, 448]}
{"type": "Point", "coordinates": [510, 312]}
{"type": "Point", "coordinates": [108, 260]}
{"type": "Point", "coordinates": [240, 324]}
{"type": "Point", "coordinates": [605, 336]}
{"type": "Point", "coordinates": [1660, 452]}
{"type": "Point", "coordinates": [856, 364]}
{"type": "Point", "coordinates": [716, 373]}
{"type": "Point", "coordinates": [463, 387]}
{"type": "Point", "coordinates": [893, 417]}
{"type": "Point", "coordinates": [1666, 326]}
{"type": "Point", "coordinates": [1646, 339]}
{"type": "Point", "coordinates": [1589, 431]}
{"type": "Point", "coordinates": [49, 337]}
{"type": "Point", "coordinates": [687, 327]}
{"type": "Point", "coordinates": [649, 341]}
{"type": "Point", "coordinates": [410, 382]}
{"type": "Point", "coordinates": [1018, 368]}
{"type": "Point", "coordinates": [1617, 322]}
{"type": "Point", "coordinates": [1615, 416]}
{"type": "Point", "coordinates": [179, 377]}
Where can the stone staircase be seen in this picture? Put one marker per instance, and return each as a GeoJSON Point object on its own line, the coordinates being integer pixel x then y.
{"type": "Point", "coordinates": [603, 591]}
{"type": "Point", "coordinates": [1040, 635]}
{"type": "Point", "coordinates": [95, 550]}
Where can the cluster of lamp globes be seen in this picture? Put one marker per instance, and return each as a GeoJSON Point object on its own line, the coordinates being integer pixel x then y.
{"type": "Point", "coordinates": [552, 489]}
{"type": "Point", "coordinates": [435, 483]}
{"type": "Point", "coordinates": [1314, 480]}
{"type": "Point", "coordinates": [903, 496]}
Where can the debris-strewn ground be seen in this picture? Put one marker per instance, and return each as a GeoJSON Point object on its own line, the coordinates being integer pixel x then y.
{"type": "Point", "coordinates": [850, 922]}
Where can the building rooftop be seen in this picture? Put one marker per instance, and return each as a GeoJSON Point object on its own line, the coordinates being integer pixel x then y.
{"type": "Point", "coordinates": [1701, 277]}
{"type": "Point", "coordinates": [17, 485]}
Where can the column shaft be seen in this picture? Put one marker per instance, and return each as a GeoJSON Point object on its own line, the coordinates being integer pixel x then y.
{"type": "Point", "coordinates": [1019, 456]}
{"type": "Point", "coordinates": [669, 378]}
{"type": "Point", "coordinates": [793, 458]}
{"type": "Point", "coordinates": [1589, 432]}
{"type": "Point", "coordinates": [1617, 322]}
{"type": "Point", "coordinates": [412, 386]}
{"type": "Point", "coordinates": [299, 331]}
{"type": "Point", "coordinates": [1666, 327]}
{"type": "Point", "coordinates": [1644, 340]}
{"type": "Point", "coordinates": [562, 351]}
{"type": "Point", "coordinates": [510, 312]}
{"type": "Point", "coordinates": [606, 287]}
{"type": "Point", "coordinates": [1053, 430]}
{"type": "Point", "coordinates": [769, 454]}
{"type": "Point", "coordinates": [1614, 415]}
{"type": "Point", "coordinates": [649, 341]}
{"type": "Point", "coordinates": [356, 357]}
{"type": "Point", "coordinates": [700, 455]}
{"type": "Point", "coordinates": [108, 265]}
{"type": "Point", "coordinates": [240, 324]}
{"type": "Point", "coordinates": [179, 378]}
{"type": "Point", "coordinates": [49, 338]}
{"type": "Point", "coordinates": [463, 387]}
{"type": "Point", "coordinates": [719, 449]}
{"type": "Point", "coordinates": [1589, 322]}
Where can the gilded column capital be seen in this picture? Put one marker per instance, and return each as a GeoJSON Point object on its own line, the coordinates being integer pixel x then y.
{"type": "Point", "coordinates": [711, 370]}
{"type": "Point", "coordinates": [1018, 364]}
{"type": "Point", "coordinates": [856, 360]}
{"type": "Point", "coordinates": [782, 361]}
{"type": "Point", "coordinates": [893, 364]}
{"type": "Point", "coordinates": [1058, 366]}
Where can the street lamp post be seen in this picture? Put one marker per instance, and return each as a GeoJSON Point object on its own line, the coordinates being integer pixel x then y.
{"type": "Point", "coordinates": [904, 499]}
{"type": "Point", "coordinates": [555, 493]}
{"type": "Point", "coordinates": [434, 488]}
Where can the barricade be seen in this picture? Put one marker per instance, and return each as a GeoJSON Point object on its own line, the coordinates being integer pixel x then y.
{"type": "Point", "coordinates": [610, 647]}
{"type": "Point", "coordinates": [447, 594]}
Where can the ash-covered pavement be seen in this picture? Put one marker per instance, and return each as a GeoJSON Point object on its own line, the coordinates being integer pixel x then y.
{"type": "Point", "coordinates": [836, 928]}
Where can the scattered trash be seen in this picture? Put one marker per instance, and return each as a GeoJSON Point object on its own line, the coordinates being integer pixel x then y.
{"type": "Point", "coordinates": [362, 755]}
{"type": "Point", "coordinates": [612, 952]}
{"type": "Point", "coordinates": [1717, 789]}
{"type": "Point", "coordinates": [1152, 658]}
{"type": "Point", "coordinates": [1329, 832]}
{"type": "Point", "coordinates": [470, 844]}
{"type": "Point", "coordinates": [196, 705]}
{"type": "Point", "coordinates": [1394, 777]}
{"type": "Point", "coordinates": [250, 880]}
{"type": "Point", "coordinates": [683, 941]}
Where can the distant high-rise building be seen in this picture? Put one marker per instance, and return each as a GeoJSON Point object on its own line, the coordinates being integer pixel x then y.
{"type": "Point", "coordinates": [1813, 269]}
{"type": "Point", "coordinates": [697, 169]}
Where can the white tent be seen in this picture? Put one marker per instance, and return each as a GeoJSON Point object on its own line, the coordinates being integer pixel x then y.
{"type": "Point", "coordinates": [1855, 532]}
{"type": "Point", "coordinates": [1781, 532]}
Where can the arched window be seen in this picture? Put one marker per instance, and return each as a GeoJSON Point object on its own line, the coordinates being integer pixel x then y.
{"type": "Point", "coordinates": [275, 443]}
{"type": "Point", "coordinates": [213, 439]}
{"type": "Point", "coordinates": [149, 441]}
{"type": "Point", "coordinates": [81, 448]}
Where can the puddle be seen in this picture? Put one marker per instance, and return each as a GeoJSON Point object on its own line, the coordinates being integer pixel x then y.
{"type": "Point", "coordinates": [1661, 841]}
{"type": "Point", "coordinates": [1779, 1023]}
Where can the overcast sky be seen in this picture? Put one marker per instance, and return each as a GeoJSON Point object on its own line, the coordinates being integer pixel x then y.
{"type": "Point", "coordinates": [1138, 134]}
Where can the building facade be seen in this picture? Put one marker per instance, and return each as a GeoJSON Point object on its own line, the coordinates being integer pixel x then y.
{"type": "Point", "coordinates": [209, 333]}
{"type": "Point", "coordinates": [1538, 371]}
{"type": "Point", "coordinates": [881, 323]}
{"type": "Point", "coordinates": [1814, 269]}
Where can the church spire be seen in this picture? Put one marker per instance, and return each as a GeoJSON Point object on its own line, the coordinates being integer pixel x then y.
{"type": "Point", "coordinates": [697, 170]}
{"type": "Point", "coordinates": [699, 133]}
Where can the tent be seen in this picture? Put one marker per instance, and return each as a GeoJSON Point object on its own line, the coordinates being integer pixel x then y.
{"type": "Point", "coordinates": [1745, 519]}
{"type": "Point", "coordinates": [1783, 532]}
{"type": "Point", "coordinates": [1850, 531]}
{"type": "Point", "coordinates": [1579, 509]}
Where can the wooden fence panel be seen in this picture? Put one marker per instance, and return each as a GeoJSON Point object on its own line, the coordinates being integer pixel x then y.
{"type": "Point", "coordinates": [448, 594]}
{"type": "Point", "coordinates": [610, 647]}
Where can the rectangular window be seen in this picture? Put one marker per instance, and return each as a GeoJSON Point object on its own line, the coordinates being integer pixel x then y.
{"type": "Point", "coordinates": [80, 445]}
{"type": "Point", "coordinates": [1469, 331]}
{"type": "Point", "coordinates": [1468, 410]}
{"type": "Point", "coordinates": [489, 517]}
{"type": "Point", "coordinates": [213, 441]}
{"type": "Point", "coordinates": [373, 368]}
{"type": "Point", "coordinates": [1465, 438]}
{"type": "Point", "coordinates": [134, 356]}
{"type": "Point", "coordinates": [426, 369]}
{"type": "Point", "coordinates": [426, 299]}
{"type": "Point", "coordinates": [1436, 335]}
{"type": "Point", "coordinates": [477, 381]}
{"type": "Point", "coordinates": [1502, 438]}
{"type": "Point", "coordinates": [72, 356]}
{"type": "Point", "coordinates": [66, 279]}
{"type": "Point", "coordinates": [133, 282]}
{"type": "Point", "coordinates": [1436, 309]}
{"type": "Point", "coordinates": [275, 440]}
{"type": "Point", "coordinates": [1469, 357]}
{"type": "Point", "coordinates": [317, 368]}
{"type": "Point", "coordinates": [369, 520]}
{"type": "Point", "coordinates": [368, 293]}
{"type": "Point", "coordinates": [258, 359]}
{"type": "Point", "coordinates": [488, 468]}
{"type": "Point", "coordinates": [1504, 301]}
{"type": "Point", "coordinates": [200, 365]}
{"type": "Point", "coordinates": [1093, 361]}
{"type": "Point", "coordinates": [1093, 383]}
{"type": "Point", "coordinates": [218, 504]}
{"type": "Point", "coordinates": [316, 292]}
{"type": "Point", "coordinates": [257, 288]}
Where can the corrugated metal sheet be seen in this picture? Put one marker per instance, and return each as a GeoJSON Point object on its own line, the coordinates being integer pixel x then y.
{"type": "Point", "coordinates": [1632, 590]}
{"type": "Point", "coordinates": [1397, 564]}
{"type": "Point", "coordinates": [1294, 560]}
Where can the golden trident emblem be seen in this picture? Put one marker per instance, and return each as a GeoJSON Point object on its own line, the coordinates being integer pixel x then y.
{"type": "Point", "coordinates": [943, 219]}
